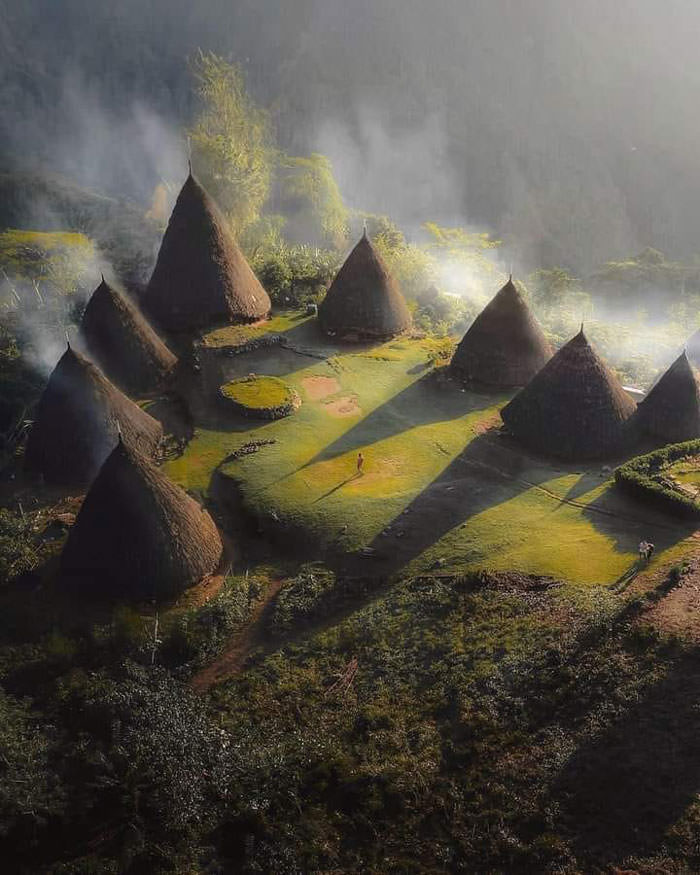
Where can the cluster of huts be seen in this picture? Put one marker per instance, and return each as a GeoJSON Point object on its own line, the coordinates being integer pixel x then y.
{"type": "Point", "coordinates": [139, 532]}
{"type": "Point", "coordinates": [570, 404]}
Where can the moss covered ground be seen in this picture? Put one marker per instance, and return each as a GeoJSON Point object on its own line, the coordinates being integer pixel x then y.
{"type": "Point", "coordinates": [439, 488]}
{"type": "Point", "coordinates": [258, 393]}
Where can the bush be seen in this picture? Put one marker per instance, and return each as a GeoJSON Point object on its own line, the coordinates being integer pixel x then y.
{"type": "Point", "coordinates": [637, 477]}
{"type": "Point", "coordinates": [198, 634]}
{"type": "Point", "coordinates": [21, 548]}
{"type": "Point", "coordinates": [304, 598]}
{"type": "Point", "coordinates": [29, 790]}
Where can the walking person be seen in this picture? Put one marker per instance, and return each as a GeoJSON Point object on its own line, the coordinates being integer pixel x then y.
{"type": "Point", "coordinates": [643, 547]}
{"type": "Point", "coordinates": [360, 462]}
{"type": "Point", "coordinates": [650, 551]}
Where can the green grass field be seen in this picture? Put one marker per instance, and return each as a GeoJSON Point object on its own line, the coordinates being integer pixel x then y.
{"type": "Point", "coordinates": [440, 487]}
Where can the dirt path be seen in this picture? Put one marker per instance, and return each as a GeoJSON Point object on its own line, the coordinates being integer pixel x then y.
{"type": "Point", "coordinates": [231, 661]}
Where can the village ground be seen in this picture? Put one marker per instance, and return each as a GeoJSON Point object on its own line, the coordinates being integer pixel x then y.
{"type": "Point", "coordinates": [410, 712]}
{"type": "Point", "coordinates": [441, 487]}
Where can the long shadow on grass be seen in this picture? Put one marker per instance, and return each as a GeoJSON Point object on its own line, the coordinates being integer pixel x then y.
{"type": "Point", "coordinates": [423, 402]}
{"type": "Point", "coordinates": [623, 789]}
{"type": "Point", "coordinates": [626, 523]}
{"type": "Point", "coordinates": [480, 478]}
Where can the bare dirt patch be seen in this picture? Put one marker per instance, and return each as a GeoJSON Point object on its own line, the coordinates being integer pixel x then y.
{"type": "Point", "coordinates": [320, 387]}
{"type": "Point", "coordinates": [344, 407]}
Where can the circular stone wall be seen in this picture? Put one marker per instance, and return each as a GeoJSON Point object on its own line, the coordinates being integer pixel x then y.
{"type": "Point", "coordinates": [260, 397]}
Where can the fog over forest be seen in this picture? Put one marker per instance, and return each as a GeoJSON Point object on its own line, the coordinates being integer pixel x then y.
{"type": "Point", "coordinates": [567, 129]}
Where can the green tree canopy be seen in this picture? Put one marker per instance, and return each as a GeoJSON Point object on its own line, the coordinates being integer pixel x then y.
{"type": "Point", "coordinates": [309, 196]}
{"type": "Point", "coordinates": [232, 151]}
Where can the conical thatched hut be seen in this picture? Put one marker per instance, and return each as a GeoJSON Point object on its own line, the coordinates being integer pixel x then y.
{"type": "Point", "coordinates": [671, 410]}
{"type": "Point", "coordinates": [504, 347]}
{"type": "Point", "coordinates": [573, 408]}
{"type": "Point", "coordinates": [138, 534]}
{"type": "Point", "coordinates": [201, 277]}
{"type": "Point", "coordinates": [78, 421]}
{"type": "Point", "coordinates": [364, 301]}
{"type": "Point", "coordinates": [123, 343]}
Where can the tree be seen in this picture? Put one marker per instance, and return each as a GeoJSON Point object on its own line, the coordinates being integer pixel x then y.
{"type": "Point", "coordinates": [310, 197]}
{"type": "Point", "coordinates": [232, 151]}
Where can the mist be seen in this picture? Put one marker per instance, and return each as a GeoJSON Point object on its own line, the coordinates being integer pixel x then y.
{"type": "Point", "coordinates": [567, 132]}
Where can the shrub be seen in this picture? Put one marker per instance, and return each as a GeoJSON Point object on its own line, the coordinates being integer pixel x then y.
{"type": "Point", "coordinates": [639, 476]}
{"type": "Point", "coordinates": [200, 633]}
{"type": "Point", "coordinates": [29, 791]}
{"type": "Point", "coordinates": [305, 597]}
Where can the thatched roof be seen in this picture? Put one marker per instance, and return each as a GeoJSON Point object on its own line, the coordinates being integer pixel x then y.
{"type": "Point", "coordinates": [123, 343]}
{"type": "Point", "coordinates": [574, 408]}
{"type": "Point", "coordinates": [671, 410]}
{"type": "Point", "coordinates": [201, 277]}
{"type": "Point", "coordinates": [364, 300]}
{"type": "Point", "coordinates": [78, 420]}
{"type": "Point", "coordinates": [504, 347]}
{"type": "Point", "coordinates": [138, 533]}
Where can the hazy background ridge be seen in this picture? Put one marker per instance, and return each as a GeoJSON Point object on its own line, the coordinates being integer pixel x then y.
{"type": "Point", "coordinates": [586, 152]}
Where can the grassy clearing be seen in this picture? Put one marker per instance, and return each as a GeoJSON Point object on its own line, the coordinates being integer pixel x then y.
{"type": "Point", "coordinates": [235, 335]}
{"type": "Point", "coordinates": [686, 471]}
{"type": "Point", "coordinates": [439, 487]}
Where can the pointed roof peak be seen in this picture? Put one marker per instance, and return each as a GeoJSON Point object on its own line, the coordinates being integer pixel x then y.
{"type": "Point", "coordinates": [671, 409]}
{"type": "Point", "coordinates": [175, 541]}
{"type": "Point", "coordinates": [580, 337]}
{"type": "Point", "coordinates": [201, 277]}
{"type": "Point", "coordinates": [504, 347]}
{"type": "Point", "coordinates": [509, 288]}
{"type": "Point", "coordinates": [364, 299]}
{"type": "Point", "coordinates": [120, 339]}
{"type": "Point", "coordinates": [74, 428]}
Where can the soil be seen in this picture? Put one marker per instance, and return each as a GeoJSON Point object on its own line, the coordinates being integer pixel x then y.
{"type": "Point", "coordinates": [320, 387]}
{"type": "Point", "coordinates": [344, 407]}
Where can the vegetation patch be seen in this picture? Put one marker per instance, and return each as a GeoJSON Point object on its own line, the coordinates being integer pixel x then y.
{"type": "Point", "coordinates": [440, 488]}
{"type": "Point", "coordinates": [232, 336]}
{"type": "Point", "coordinates": [306, 597]}
{"type": "Point", "coordinates": [261, 397]}
{"type": "Point", "coordinates": [651, 478]}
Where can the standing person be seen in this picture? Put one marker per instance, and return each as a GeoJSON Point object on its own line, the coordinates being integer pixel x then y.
{"type": "Point", "coordinates": [360, 462]}
{"type": "Point", "coordinates": [650, 551]}
{"type": "Point", "coordinates": [643, 547]}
